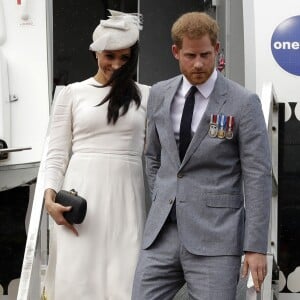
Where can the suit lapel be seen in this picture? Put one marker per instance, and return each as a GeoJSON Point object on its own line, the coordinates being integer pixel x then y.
{"type": "Point", "coordinates": [167, 128]}
{"type": "Point", "coordinates": [215, 104]}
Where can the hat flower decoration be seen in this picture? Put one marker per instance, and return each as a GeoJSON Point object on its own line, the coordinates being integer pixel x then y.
{"type": "Point", "coordinates": [119, 31]}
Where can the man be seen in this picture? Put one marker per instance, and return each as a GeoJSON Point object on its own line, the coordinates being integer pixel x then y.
{"type": "Point", "coordinates": [209, 173]}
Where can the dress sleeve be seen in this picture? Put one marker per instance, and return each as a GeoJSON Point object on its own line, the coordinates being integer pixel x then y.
{"type": "Point", "coordinates": [60, 140]}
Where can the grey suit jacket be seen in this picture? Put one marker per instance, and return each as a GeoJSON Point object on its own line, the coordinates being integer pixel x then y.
{"type": "Point", "coordinates": [222, 187]}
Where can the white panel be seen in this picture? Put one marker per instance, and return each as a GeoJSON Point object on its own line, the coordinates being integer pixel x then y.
{"type": "Point", "coordinates": [249, 44]}
{"type": "Point", "coordinates": [2, 25]}
{"type": "Point", "coordinates": [26, 53]}
{"type": "Point", "coordinates": [261, 17]}
{"type": "Point", "coordinates": [4, 101]}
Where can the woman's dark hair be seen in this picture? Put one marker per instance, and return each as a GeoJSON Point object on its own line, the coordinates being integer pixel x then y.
{"type": "Point", "coordinates": [123, 88]}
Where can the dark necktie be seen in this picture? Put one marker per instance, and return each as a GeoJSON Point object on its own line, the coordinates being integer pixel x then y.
{"type": "Point", "coordinates": [185, 133]}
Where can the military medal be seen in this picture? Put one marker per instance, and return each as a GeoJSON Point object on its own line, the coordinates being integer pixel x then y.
{"type": "Point", "coordinates": [222, 124]}
{"type": "Point", "coordinates": [229, 128]}
{"type": "Point", "coordinates": [213, 126]}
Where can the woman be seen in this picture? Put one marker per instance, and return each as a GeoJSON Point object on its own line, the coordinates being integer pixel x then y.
{"type": "Point", "coordinates": [95, 147]}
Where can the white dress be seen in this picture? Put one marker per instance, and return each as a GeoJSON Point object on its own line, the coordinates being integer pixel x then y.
{"type": "Point", "coordinates": [103, 163]}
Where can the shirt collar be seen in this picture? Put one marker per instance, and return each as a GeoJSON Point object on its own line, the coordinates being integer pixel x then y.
{"type": "Point", "coordinates": [205, 88]}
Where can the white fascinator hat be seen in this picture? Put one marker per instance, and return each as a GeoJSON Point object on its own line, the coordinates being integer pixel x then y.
{"type": "Point", "coordinates": [120, 31]}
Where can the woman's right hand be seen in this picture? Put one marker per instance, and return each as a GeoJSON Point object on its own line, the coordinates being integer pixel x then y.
{"type": "Point", "coordinates": [56, 210]}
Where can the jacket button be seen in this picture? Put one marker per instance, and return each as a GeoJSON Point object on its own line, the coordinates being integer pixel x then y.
{"type": "Point", "coordinates": [171, 201]}
{"type": "Point", "coordinates": [179, 175]}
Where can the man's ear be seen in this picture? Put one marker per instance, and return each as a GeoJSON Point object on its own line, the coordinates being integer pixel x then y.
{"type": "Point", "coordinates": [217, 47]}
{"type": "Point", "coordinates": [175, 51]}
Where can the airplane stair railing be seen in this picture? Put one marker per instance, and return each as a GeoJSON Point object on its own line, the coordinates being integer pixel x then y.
{"type": "Point", "coordinates": [270, 104]}
{"type": "Point", "coordinates": [35, 257]}
{"type": "Point", "coordinates": [37, 243]}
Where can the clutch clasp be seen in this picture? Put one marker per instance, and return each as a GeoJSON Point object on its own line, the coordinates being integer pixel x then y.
{"type": "Point", "coordinates": [73, 192]}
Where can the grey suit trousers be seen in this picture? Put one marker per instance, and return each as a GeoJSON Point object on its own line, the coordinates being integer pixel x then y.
{"type": "Point", "coordinates": [166, 265]}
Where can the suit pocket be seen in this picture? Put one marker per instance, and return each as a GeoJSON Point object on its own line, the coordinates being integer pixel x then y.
{"type": "Point", "coordinates": [224, 200]}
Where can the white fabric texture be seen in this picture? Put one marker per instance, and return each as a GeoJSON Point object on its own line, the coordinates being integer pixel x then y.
{"type": "Point", "coordinates": [105, 167]}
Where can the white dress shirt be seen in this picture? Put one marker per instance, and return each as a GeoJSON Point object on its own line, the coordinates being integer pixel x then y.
{"type": "Point", "coordinates": [201, 102]}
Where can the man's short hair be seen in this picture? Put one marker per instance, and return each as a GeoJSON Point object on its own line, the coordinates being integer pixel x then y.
{"type": "Point", "coordinates": [194, 25]}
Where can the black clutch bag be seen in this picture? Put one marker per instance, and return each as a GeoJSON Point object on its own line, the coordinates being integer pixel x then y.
{"type": "Point", "coordinates": [70, 198]}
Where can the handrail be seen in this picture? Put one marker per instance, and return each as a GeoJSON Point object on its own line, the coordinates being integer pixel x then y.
{"type": "Point", "coordinates": [37, 242]}
{"type": "Point", "coordinates": [30, 281]}
{"type": "Point", "coordinates": [270, 106]}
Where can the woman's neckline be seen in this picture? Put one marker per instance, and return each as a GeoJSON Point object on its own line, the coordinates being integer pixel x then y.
{"type": "Point", "coordinates": [96, 81]}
